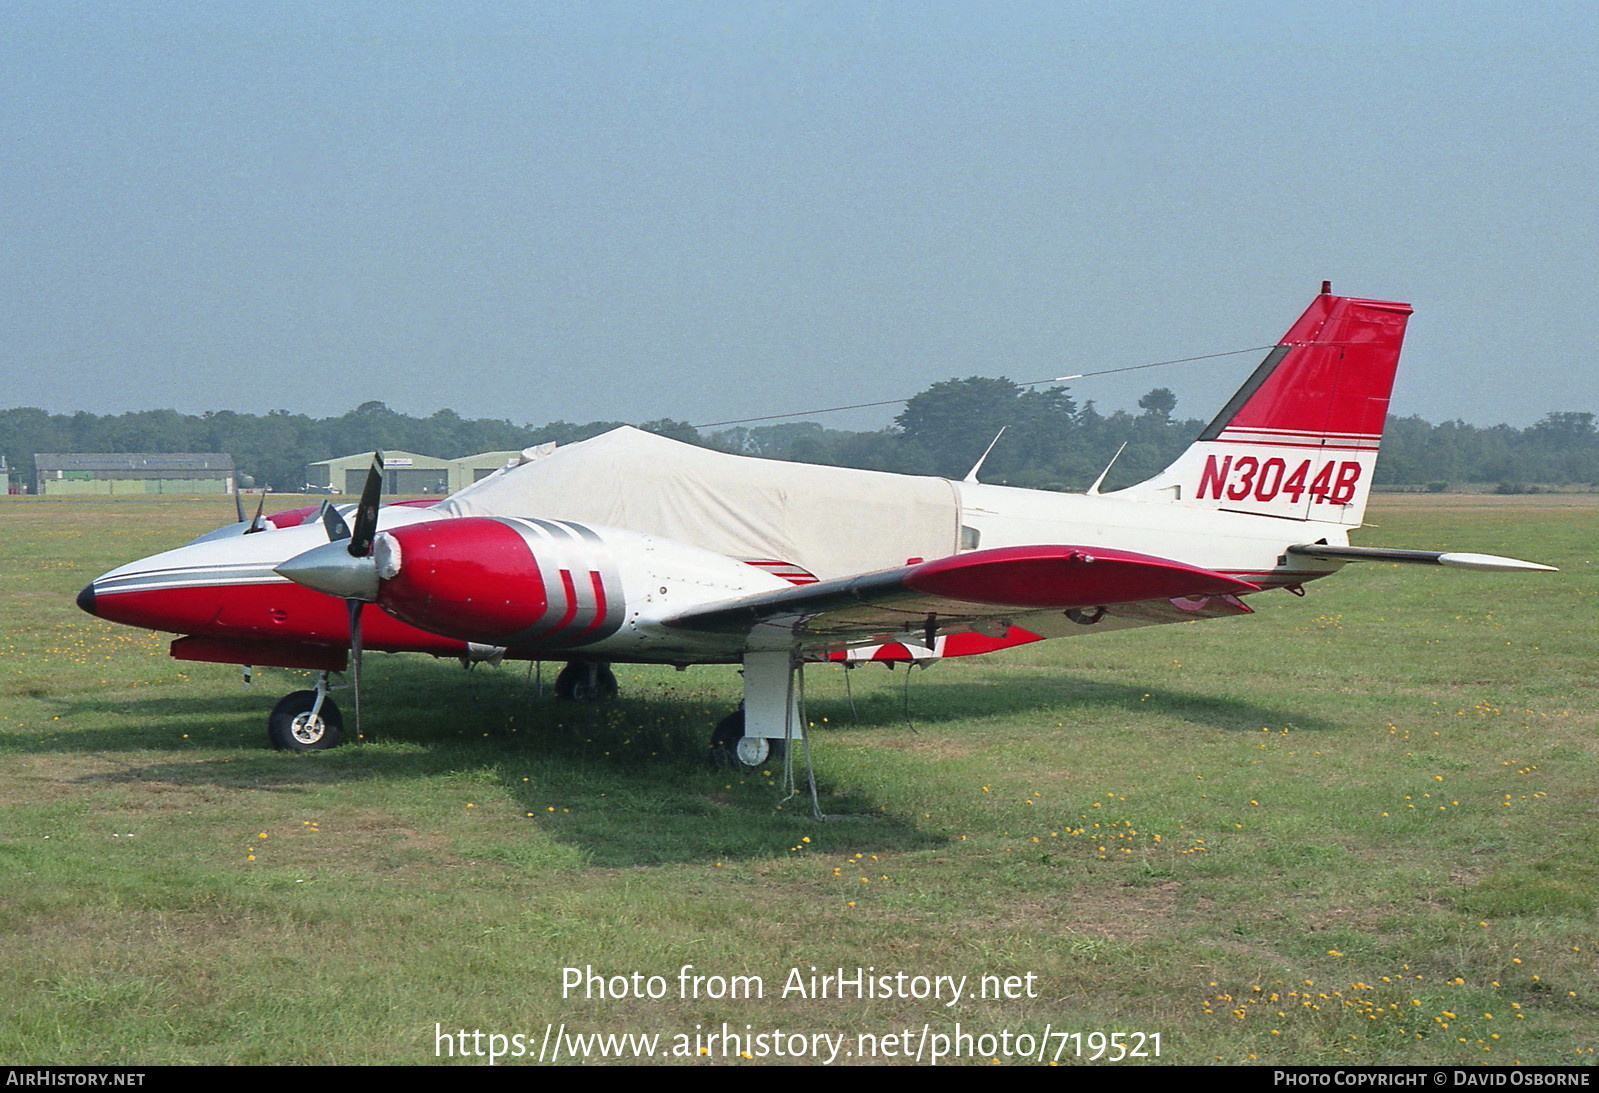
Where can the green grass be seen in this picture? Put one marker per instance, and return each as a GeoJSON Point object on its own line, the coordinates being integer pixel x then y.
{"type": "Point", "coordinates": [1347, 829]}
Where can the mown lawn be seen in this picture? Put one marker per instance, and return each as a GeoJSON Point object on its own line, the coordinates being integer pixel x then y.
{"type": "Point", "coordinates": [1362, 826]}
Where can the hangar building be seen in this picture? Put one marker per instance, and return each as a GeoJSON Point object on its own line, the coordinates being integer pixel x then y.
{"type": "Point", "coordinates": [404, 472]}
{"type": "Point", "coordinates": [128, 473]}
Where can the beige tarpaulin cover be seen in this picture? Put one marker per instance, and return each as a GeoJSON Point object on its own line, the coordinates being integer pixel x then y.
{"type": "Point", "coordinates": [832, 521]}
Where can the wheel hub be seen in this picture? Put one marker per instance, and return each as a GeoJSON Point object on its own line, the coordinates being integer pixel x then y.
{"type": "Point", "coordinates": [752, 751]}
{"type": "Point", "coordinates": [308, 729]}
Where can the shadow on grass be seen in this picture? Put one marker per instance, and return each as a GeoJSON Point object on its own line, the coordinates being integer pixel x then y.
{"type": "Point", "coordinates": [937, 702]}
{"type": "Point", "coordinates": [626, 784]}
{"type": "Point", "coordinates": [430, 704]}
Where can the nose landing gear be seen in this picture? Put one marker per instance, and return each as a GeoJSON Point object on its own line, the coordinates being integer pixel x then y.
{"type": "Point", "coordinates": [305, 721]}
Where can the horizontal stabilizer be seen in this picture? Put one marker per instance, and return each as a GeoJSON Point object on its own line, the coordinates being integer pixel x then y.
{"type": "Point", "coordinates": [1491, 563]}
{"type": "Point", "coordinates": [948, 593]}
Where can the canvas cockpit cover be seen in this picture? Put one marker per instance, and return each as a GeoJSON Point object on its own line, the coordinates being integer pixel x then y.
{"type": "Point", "coordinates": [831, 521]}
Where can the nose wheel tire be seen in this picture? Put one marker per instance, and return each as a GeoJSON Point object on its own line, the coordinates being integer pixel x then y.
{"type": "Point", "coordinates": [291, 726]}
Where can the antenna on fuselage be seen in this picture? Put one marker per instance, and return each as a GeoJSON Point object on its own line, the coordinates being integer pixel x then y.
{"type": "Point", "coordinates": [971, 475]}
{"type": "Point", "coordinates": [1093, 491]}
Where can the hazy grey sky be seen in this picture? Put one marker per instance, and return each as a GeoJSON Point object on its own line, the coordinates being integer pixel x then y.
{"type": "Point", "coordinates": [714, 210]}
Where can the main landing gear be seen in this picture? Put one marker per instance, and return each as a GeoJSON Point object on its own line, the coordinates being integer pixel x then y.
{"type": "Point", "coordinates": [586, 681]}
{"type": "Point", "coordinates": [757, 734]}
{"type": "Point", "coordinates": [731, 748]}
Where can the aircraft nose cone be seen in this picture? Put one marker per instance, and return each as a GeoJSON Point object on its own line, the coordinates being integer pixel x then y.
{"type": "Point", "coordinates": [86, 598]}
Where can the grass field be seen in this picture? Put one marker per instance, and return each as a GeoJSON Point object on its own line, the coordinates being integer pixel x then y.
{"type": "Point", "coordinates": [1359, 827]}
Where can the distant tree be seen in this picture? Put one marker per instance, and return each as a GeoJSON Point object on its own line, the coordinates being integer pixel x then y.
{"type": "Point", "coordinates": [955, 420]}
{"type": "Point", "coordinates": [26, 431]}
{"type": "Point", "coordinates": [676, 430]}
{"type": "Point", "coordinates": [873, 451]}
{"type": "Point", "coordinates": [735, 441]}
{"type": "Point", "coordinates": [565, 432]}
{"type": "Point", "coordinates": [1049, 442]}
{"type": "Point", "coordinates": [1159, 403]}
{"type": "Point", "coordinates": [1039, 445]}
{"type": "Point", "coordinates": [1563, 427]}
{"type": "Point", "coordinates": [784, 440]}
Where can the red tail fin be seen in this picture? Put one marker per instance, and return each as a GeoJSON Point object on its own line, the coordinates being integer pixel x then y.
{"type": "Point", "coordinates": [1328, 379]}
{"type": "Point", "coordinates": [1299, 439]}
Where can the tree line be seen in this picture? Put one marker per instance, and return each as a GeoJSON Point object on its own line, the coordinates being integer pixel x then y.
{"type": "Point", "coordinates": [1049, 440]}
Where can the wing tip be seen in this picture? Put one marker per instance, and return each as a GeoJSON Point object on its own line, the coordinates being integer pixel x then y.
{"type": "Point", "coordinates": [1492, 563]}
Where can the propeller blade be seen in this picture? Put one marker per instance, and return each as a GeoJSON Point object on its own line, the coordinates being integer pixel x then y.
{"type": "Point", "coordinates": [334, 522]}
{"type": "Point", "coordinates": [258, 524]}
{"type": "Point", "coordinates": [366, 513]}
{"type": "Point", "coordinates": [354, 607]}
{"type": "Point", "coordinates": [238, 503]}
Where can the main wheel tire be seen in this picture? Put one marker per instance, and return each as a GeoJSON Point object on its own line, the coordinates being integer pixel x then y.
{"type": "Point", "coordinates": [586, 681]}
{"type": "Point", "coordinates": [290, 726]}
{"type": "Point", "coordinates": [731, 748]}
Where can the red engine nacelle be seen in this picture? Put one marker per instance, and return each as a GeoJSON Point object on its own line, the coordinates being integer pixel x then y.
{"type": "Point", "coordinates": [501, 581]}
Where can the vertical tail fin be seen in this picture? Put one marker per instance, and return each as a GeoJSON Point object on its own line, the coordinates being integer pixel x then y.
{"type": "Point", "coordinates": [1299, 439]}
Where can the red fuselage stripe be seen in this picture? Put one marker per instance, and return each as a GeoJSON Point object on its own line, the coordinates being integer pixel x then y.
{"type": "Point", "coordinates": [569, 590]}
{"type": "Point", "coordinates": [598, 584]}
{"type": "Point", "coordinates": [1294, 444]}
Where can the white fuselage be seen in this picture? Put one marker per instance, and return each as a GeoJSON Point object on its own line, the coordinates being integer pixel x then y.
{"type": "Point", "coordinates": [1240, 544]}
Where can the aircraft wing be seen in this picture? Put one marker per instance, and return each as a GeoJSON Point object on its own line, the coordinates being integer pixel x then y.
{"type": "Point", "coordinates": [964, 591]}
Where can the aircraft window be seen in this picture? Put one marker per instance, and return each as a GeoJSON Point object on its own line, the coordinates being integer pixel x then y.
{"type": "Point", "coordinates": [970, 537]}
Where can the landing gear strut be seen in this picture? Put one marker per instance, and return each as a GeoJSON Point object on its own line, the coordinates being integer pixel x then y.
{"type": "Point", "coordinates": [586, 681]}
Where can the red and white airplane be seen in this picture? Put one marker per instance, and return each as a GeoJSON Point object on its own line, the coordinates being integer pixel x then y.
{"type": "Point", "coordinates": [633, 548]}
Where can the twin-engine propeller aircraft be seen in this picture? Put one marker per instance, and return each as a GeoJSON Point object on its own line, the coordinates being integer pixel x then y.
{"type": "Point", "coordinates": [633, 548]}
